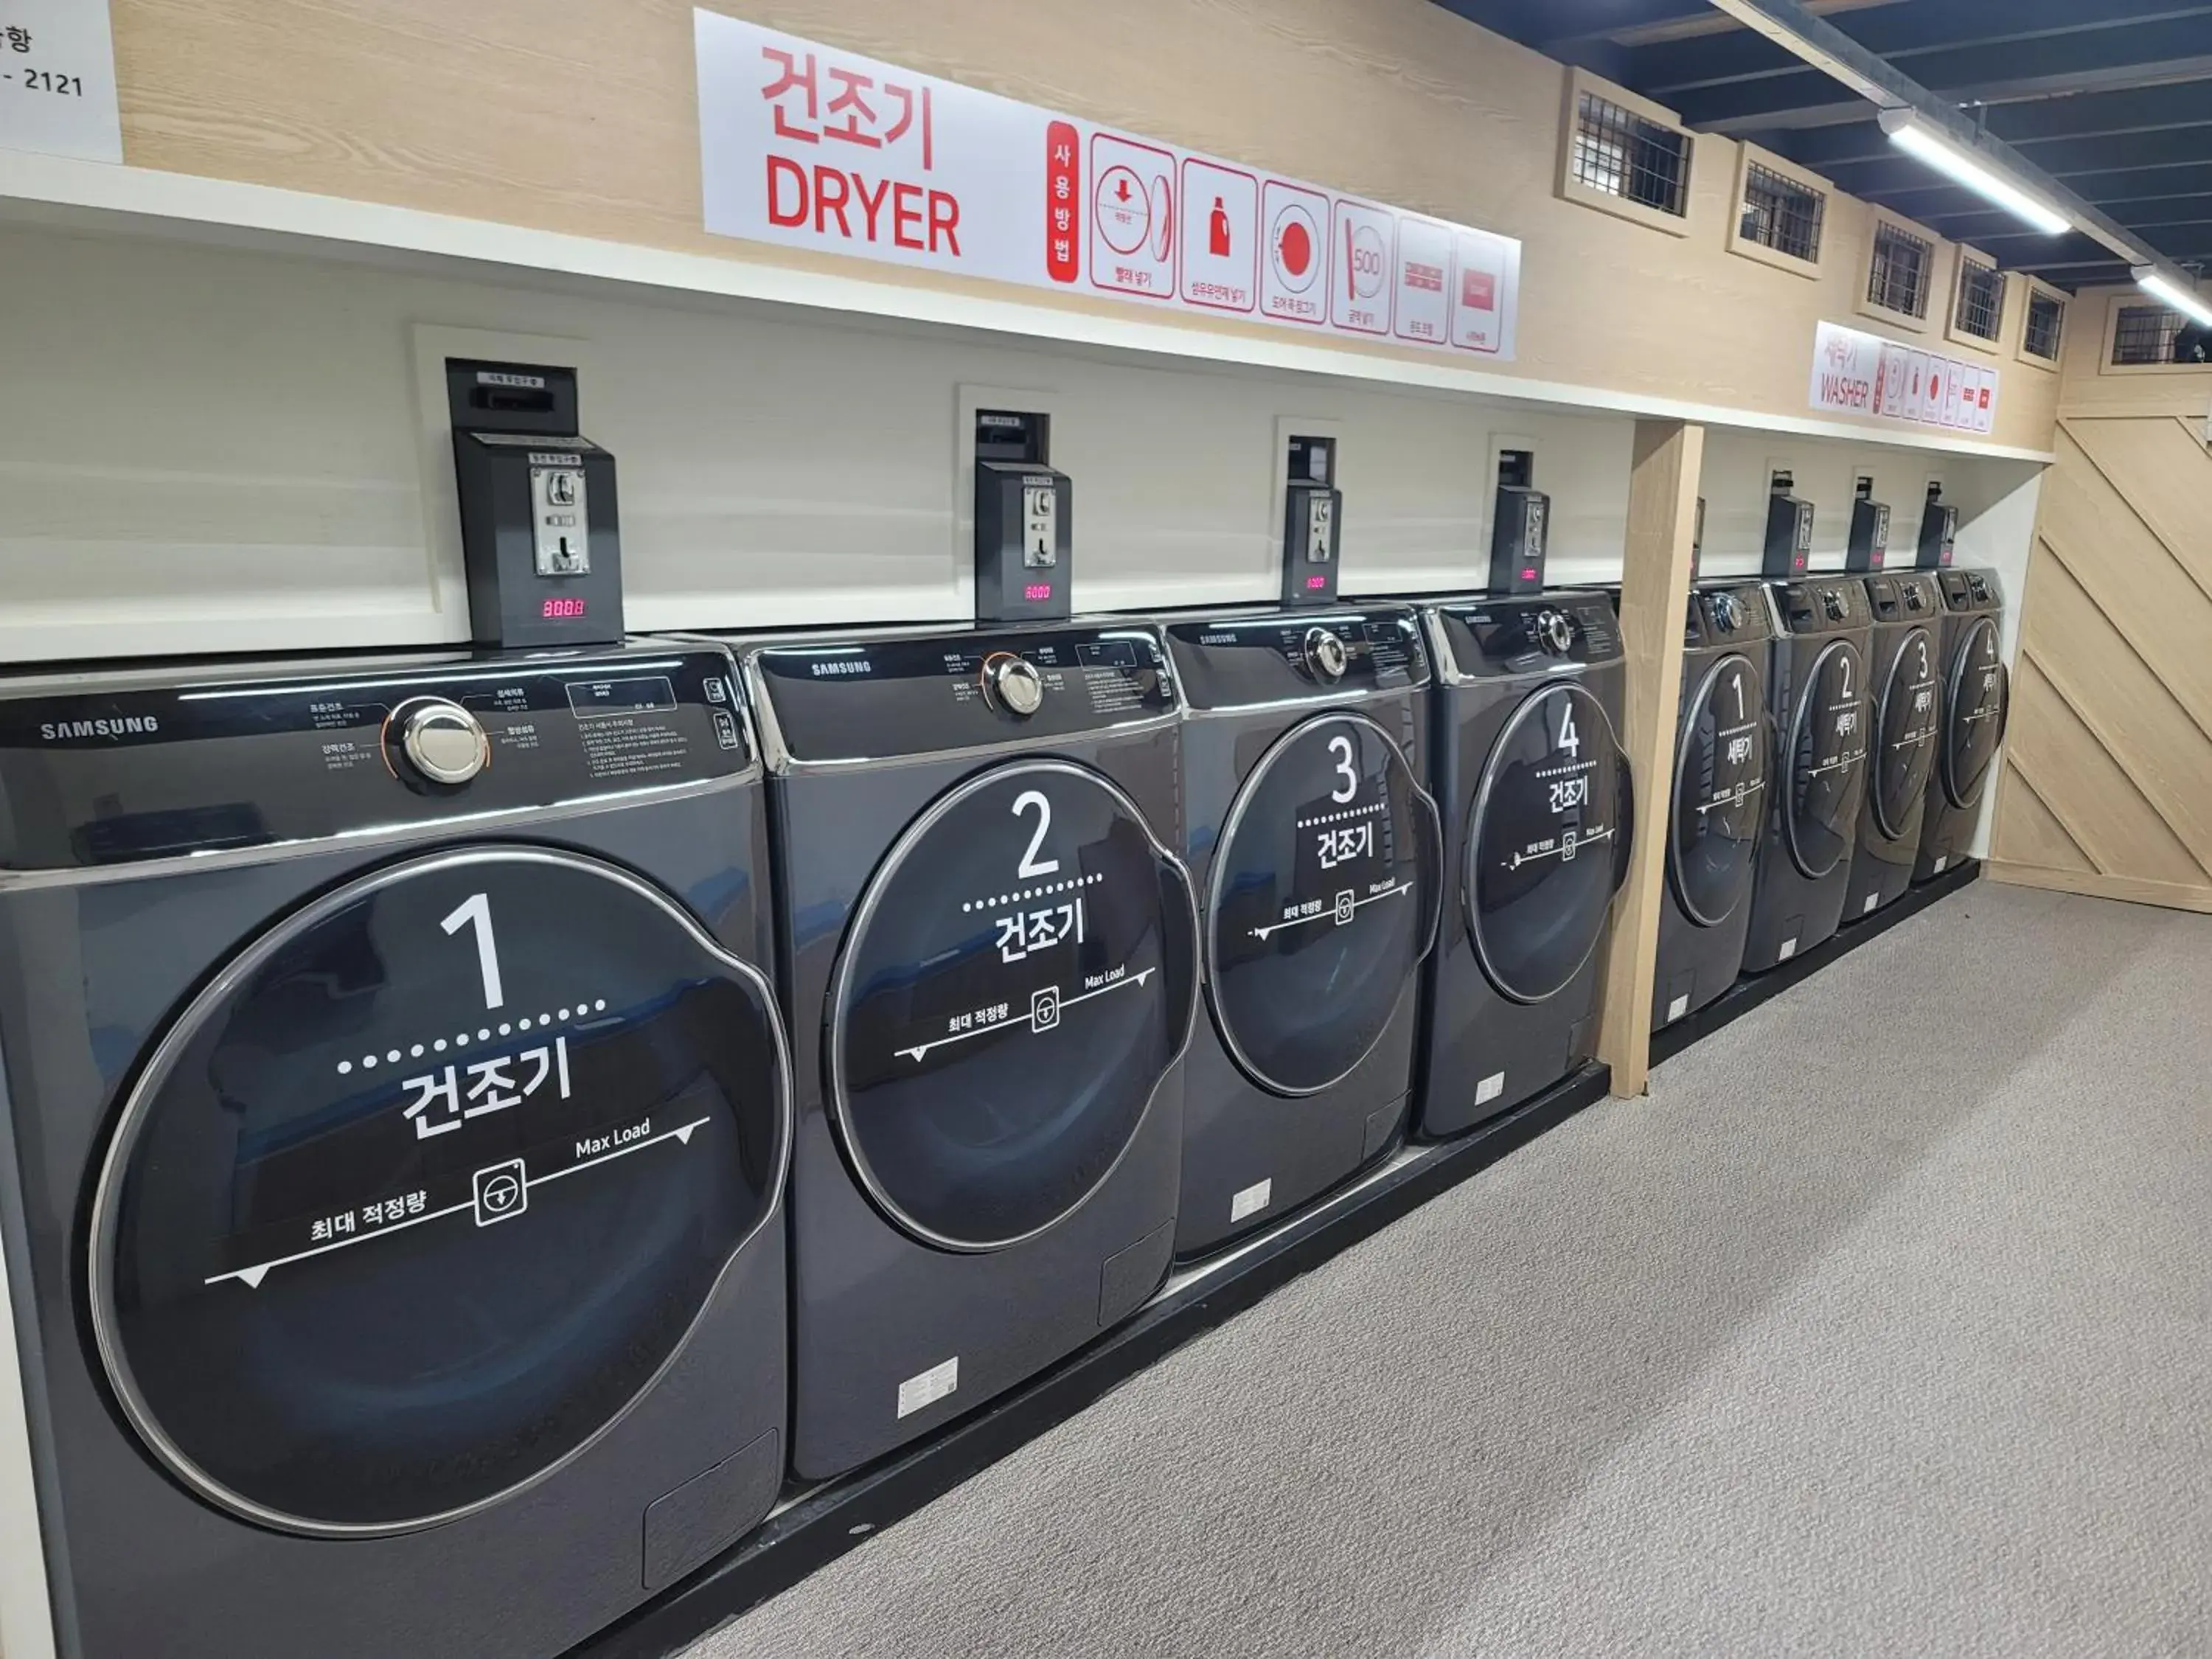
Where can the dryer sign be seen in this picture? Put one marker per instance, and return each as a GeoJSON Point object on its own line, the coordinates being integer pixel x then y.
{"type": "Point", "coordinates": [1220, 264]}
{"type": "Point", "coordinates": [1133, 217]}
{"type": "Point", "coordinates": [1292, 283]}
{"type": "Point", "coordinates": [1362, 242]}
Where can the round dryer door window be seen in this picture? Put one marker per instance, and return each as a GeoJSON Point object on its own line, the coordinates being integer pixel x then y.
{"type": "Point", "coordinates": [1548, 842]}
{"type": "Point", "coordinates": [1979, 699]}
{"type": "Point", "coordinates": [1720, 793]}
{"type": "Point", "coordinates": [1907, 734]}
{"type": "Point", "coordinates": [1017, 977]}
{"type": "Point", "coordinates": [1827, 760]}
{"type": "Point", "coordinates": [1321, 903]}
{"type": "Point", "coordinates": [423, 1191]}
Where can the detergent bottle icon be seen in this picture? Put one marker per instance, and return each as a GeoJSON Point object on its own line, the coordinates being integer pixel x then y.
{"type": "Point", "coordinates": [1217, 233]}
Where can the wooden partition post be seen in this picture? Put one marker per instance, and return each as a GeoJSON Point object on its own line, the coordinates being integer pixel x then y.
{"type": "Point", "coordinates": [1655, 598]}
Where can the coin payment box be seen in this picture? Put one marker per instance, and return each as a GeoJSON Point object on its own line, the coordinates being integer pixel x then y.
{"type": "Point", "coordinates": [1869, 542]}
{"type": "Point", "coordinates": [1788, 531]}
{"type": "Point", "coordinates": [1517, 532]}
{"type": "Point", "coordinates": [1313, 522]}
{"type": "Point", "coordinates": [1939, 532]}
{"type": "Point", "coordinates": [538, 530]}
{"type": "Point", "coordinates": [1023, 513]}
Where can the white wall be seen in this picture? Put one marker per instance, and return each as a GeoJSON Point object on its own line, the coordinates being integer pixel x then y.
{"type": "Point", "coordinates": [207, 450]}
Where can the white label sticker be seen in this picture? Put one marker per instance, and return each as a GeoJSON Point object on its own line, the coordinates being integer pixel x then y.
{"type": "Point", "coordinates": [930, 1387]}
{"type": "Point", "coordinates": [1252, 1200]}
{"type": "Point", "coordinates": [58, 80]}
{"type": "Point", "coordinates": [1490, 1088]}
{"type": "Point", "coordinates": [1678, 1008]}
{"type": "Point", "coordinates": [1940, 863]}
{"type": "Point", "coordinates": [1789, 949]}
{"type": "Point", "coordinates": [1867, 908]}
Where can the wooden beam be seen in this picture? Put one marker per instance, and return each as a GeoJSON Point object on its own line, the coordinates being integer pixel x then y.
{"type": "Point", "coordinates": [1655, 597]}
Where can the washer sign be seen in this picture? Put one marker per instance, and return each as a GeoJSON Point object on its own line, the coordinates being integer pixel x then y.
{"type": "Point", "coordinates": [1479, 287]}
{"type": "Point", "coordinates": [1294, 273]}
{"type": "Point", "coordinates": [1220, 237]}
{"type": "Point", "coordinates": [1423, 300]}
{"type": "Point", "coordinates": [1363, 246]}
{"type": "Point", "coordinates": [1133, 217]}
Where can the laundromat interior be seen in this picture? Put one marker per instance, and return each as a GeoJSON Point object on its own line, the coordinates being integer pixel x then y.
{"type": "Point", "coordinates": [1323, 828]}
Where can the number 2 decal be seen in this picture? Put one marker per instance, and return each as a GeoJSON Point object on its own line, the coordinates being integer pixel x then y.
{"type": "Point", "coordinates": [1032, 864]}
{"type": "Point", "coordinates": [1847, 664]}
{"type": "Point", "coordinates": [476, 912]}
{"type": "Point", "coordinates": [1341, 748]}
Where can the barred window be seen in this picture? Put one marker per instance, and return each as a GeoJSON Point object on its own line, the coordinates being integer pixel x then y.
{"type": "Point", "coordinates": [1619, 153]}
{"type": "Point", "coordinates": [1782, 214]}
{"type": "Point", "coordinates": [2146, 334]}
{"type": "Point", "coordinates": [2047, 326]}
{"type": "Point", "coordinates": [1981, 310]}
{"type": "Point", "coordinates": [1898, 278]}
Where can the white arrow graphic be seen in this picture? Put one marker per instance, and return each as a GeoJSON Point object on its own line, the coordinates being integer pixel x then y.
{"type": "Point", "coordinates": [1591, 839]}
{"type": "Point", "coordinates": [916, 1053]}
{"type": "Point", "coordinates": [1741, 792]}
{"type": "Point", "coordinates": [1330, 915]}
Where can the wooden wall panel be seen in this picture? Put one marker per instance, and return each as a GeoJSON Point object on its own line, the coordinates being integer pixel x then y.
{"type": "Point", "coordinates": [2027, 834]}
{"type": "Point", "coordinates": [579, 116]}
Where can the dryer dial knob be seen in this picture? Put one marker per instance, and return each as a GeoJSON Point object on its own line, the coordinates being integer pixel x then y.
{"type": "Point", "coordinates": [1014, 684]}
{"type": "Point", "coordinates": [1325, 655]}
{"type": "Point", "coordinates": [1555, 635]}
{"type": "Point", "coordinates": [442, 740]}
{"type": "Point", "coordinates": [1728, 611]}
{"type": "Point", "coordinates": [1832, 603]}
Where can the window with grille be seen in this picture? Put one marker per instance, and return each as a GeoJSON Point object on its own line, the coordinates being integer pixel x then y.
{"type": "Point", "coordinates": [1619, 153]}
{"type": "Point", "coordinates": [1898, 278]}
{"type": "Point", "coordinates": [2146, 334]}
{"type": "Point", "coordinates": [1782, 214]}
{"type": "Point", "coordinates": [1981, 310]}
{"type": "Point", "coordinates": [2047, 326]}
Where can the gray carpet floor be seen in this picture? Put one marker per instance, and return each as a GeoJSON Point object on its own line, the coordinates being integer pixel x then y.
{"type": "Point", "coordinates": [1878, 1328]}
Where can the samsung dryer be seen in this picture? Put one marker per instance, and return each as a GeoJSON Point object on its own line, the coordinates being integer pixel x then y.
{"type": "Point", "coordinates": [992, 951]}
{"type": "Point", "coordinates": [1315, 848]}
{"type": "Point", "coordinates": [1816, 696]}
{"type": "Point", "coordinates": [397, 1124]}
{"type": "Point", "coordinates": [1718, 812]}
{"type": "Point", "coordinates": [1976, 691]}
{"type": "Point", "coordinates": [1901, 670]}
{"type": "Point", "coordinates": [1530, 773]}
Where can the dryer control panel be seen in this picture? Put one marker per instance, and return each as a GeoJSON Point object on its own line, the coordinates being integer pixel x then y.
{"type": "Point", "coordinates": [1728, 616]}
{"type": "Point", "coordinates": [878, 699]}
{"type": "Point", "coordinates": [1488, 637]}
{"type": "Point", "coordinates": [117, 767]}
{"type": "Point", "coordinates": [1906, 597]}
{"type": "Point", "coordinates": [1320, 656]}
{"type": "Point", "coordinates": [1827, 605]}
{"type": "Point", "coordinates": [1972, 590]}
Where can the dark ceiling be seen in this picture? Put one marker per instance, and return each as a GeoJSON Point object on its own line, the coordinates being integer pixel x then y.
{"type": "Point", "coordinates": [2112, 97]}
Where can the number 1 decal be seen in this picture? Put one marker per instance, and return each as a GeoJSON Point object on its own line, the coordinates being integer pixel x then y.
{"type": "Point", "coordinates": [1736, 680]}
{"type": "Point", "coordinates": [476, 912]}
{"type": "Point", "coordinates": [1032, 864]}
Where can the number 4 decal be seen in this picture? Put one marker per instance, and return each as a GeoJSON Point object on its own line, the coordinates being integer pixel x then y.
{"type": "Point", "coordinates": [1570, 740]}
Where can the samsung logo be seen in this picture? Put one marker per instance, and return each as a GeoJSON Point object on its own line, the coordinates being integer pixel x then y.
{"type": "Point", "coordinates": [850, 665]}
{"type": "Point", "coordinates": [124, 726]}
{"type": "Point", "coordinates": [528, 382]}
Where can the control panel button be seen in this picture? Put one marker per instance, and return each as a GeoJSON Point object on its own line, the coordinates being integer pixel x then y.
{"type": "Point", "coordinates": [441, 740]}
{"type": "Point", "coordinates": [1013, 684]}
{"type": "Point", "coordinates": [1832, 603]}
{"type": "Point", "coordinates": [1325, 655]}
{"type": "Point", "coordinates": [1555, 635]}
{"type": "Point", "coordinates": [1728, 611]}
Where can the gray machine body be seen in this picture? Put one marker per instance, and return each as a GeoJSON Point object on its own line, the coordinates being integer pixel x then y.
{"type": "Point", "coordinates": [1816, 697]}
{"type": "Point", "coordinates": [205, 874]}
{"type": "Point", "coordinates": [1975, 694]}
{"type": "Point", "coordinates": [1538, 812]}
{"type": "Point", "coordinates": [1903, 679]}
{"type": "Point", "coordinates": [981, 1183]}
{"type": "Point", "coordinates": [1318, 891]}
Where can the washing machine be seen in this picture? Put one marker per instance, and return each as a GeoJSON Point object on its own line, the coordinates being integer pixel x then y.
{"type": "Point", "coordinates": [1976, 694]}
{"type": "Point", "coordinates": [398, 1119]}
{"type": "Point", "coordinates": [1530, 773]}
{"type": "Point", "coordinates": [1816, 698]}
{"type": "Point", "coordinates": [1901, 670]}
{"type": "Point", "coordinates": [992, 958]}
{"type": "Point", "coordinates": [1315, 848]}
{"type": "Point", "coordinates": [1723, 761]}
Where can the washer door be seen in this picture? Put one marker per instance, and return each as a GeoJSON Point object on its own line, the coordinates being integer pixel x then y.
{"type": "Point", "coordinates": [1547, 843]}
{"type": "Point", "coordinates": [1720, 793]}
{"type": "Point", "coordinates": [1827, 761]}
{"type": "Point", "coordinates": [1980, 700]}
{"type": "Point", "coordinates": [1018, 975]}
{"type": "Point", "coordinates": [1907, 734]}
{"type": "Point", "coordinates": [1321, 903]}
{"type": "Point", "coordinates": [422, 1192]}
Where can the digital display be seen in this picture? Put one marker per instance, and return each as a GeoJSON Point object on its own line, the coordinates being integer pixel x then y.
{"type": "Point", "coordinates": [559, 609]}
{"type": "Point", "coordinates": [1037, 591]}
{"type": "Point", "coordinates": [1317, 582]}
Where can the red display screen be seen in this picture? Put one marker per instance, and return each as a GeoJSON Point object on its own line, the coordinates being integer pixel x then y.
{"type": "Point", "coordinates": [561, 610]}
{"type": "Point", "coordinates": [1317, 582]}
{"type": "Point", "coordinates": [1037, 591]}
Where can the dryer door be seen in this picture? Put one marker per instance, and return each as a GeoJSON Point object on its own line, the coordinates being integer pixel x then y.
{"type": "Point", "coordinates": [1321, 903]}
{"type": "Point", "coordinates": [1720, 793]}
{"type": "Point", "coordinates": [1545, 842]}
{"type": "Point", "coordinates": [1827, 760]}
{"type": "Point", "coordinates": [1980, 700]}
{"type": "Point", "coordinates": [1018, 975]}
{"type": "Point", "coordinates": [421, 1191]}
{"type": "Point", "coordinates": [1907, 734]}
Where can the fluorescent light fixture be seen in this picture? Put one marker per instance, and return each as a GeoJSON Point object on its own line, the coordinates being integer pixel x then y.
{"type": "Point", "coordinates": [1909, 134]}
{"type": "Point", "coordinates": [2189, 303]}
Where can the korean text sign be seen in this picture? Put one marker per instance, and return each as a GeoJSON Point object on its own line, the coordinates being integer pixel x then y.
{"type": "Point", "coordinates": [1858, 374]}
{"type": "Point", "coordinates": [812, 147]}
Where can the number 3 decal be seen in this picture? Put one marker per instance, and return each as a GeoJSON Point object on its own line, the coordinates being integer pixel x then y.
{"type": "Point", "coordinates": [1032, 864]}
{"type": "Point", "coordinates": [1341, 748]}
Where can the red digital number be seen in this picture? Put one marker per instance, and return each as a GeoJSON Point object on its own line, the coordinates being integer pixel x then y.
{"type": "Point", "coordinates": [558, 610]}
{"type": "Point", "coordinates": [1037, 591]}
{"type": "Point", "coordinates": [1317, 582]}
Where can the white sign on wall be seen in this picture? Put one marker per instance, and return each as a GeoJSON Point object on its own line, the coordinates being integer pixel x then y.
{"type": "Point", "coordinates": [58, 79]}
{"type": "Point", "coordinates": [812, 147]}
{"type": "Point", "coordinates": [1858, 374]}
